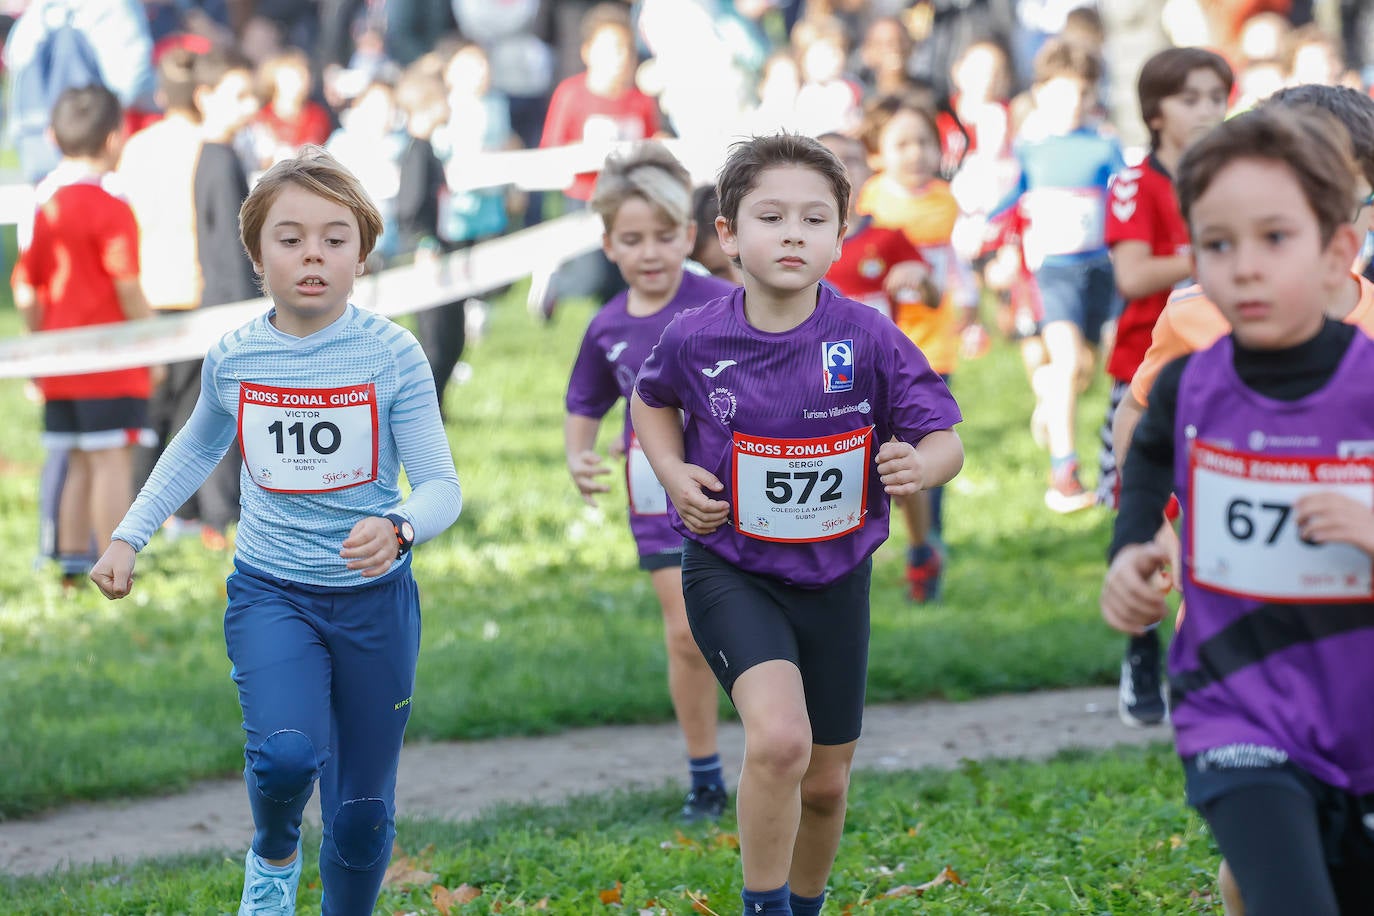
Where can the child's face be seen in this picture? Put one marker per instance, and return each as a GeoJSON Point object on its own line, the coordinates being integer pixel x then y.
{"type": "Point", "coordinates": [1315, 63]}
{"type": "Point", "coordinates": [467, 74]}
{"type": "Point", "coordinates": [787, 232]}
{"type": "Point", "coordinates": [311, 252]}
{"type": "Point", "coordinates": [230, 103]}
{"type": "Point", "coordinates": [908, 149]}
{"type": "Point", "coordinates": [885, 46]}
{"type": "Point", "coordinates": [290, 85]}
{"type": "Point", "coordinates": [648, 248]}
{"type": "Point", "coordinates": [372, 113]}
{"type": "Point", "coordinates": [1059, 103]}
{"type": "Point", "coordinates": [607, 54]}
{"type": "Point", "coordinates": [1260, 258]}
{"type": "Point", "coordinates": [851, 153]}
{"type": "Point", "coordinates": [978, 72]}
{"type": "Point", "coordinates": [823, 61]}
{"type": "Point", "coordinates": [1192, 111]}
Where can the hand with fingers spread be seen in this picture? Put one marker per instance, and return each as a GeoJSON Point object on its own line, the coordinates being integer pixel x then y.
{"type": "Point", "coordinates": [699, 512]}
{"type": "Point", "coordinates": [1133, 592]}
{"type": "Point", "coordinates": [113, 573]}
{"type": "Point", "coordinates": [588, 472]}
{"type": "Point", "coordinates": [371, 546]}
{"type": "Point", "coordinates": [1330, 518]}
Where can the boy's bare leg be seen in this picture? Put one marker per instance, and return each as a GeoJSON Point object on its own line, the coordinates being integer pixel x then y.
{"type": "Point", "coordinates": [824, 796]}
{"type": "Point", "coordinates": [1231, 901]}
{"type": "Point", "coordinates": [111, 473]}
{"type": "Point", "coordinates": [777, 755]}
{"type": "Point", "coordinates": [74, 509]}
{"type": "Point", "coordinates": [1059, 397]}
{"type": "Point", "coordinates": [691, 684]}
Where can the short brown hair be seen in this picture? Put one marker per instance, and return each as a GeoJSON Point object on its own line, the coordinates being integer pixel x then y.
{"type": "Point", "coordinates": [176, 79]}
{"type": "Point", "coordinates": [878, 112]}
{"type": "Point", "coordinates": [214, 65]}
{"type": "Point", "coordinates": [1067, 58]}
{"type": "Point", "coordinates": [648, 171]}
{"type": "Point", "coordinates": [1351, 107]}
{"type": "Point", "coordinates": [750, 158]}
{"type": "Point", "coordinates": [603, 15]}
{"type": "Point", "coordinates": [83, 120]}
{"type": "Point", "coordinates": [1166, 73]}
{"type": "Point", "coordinates": [1309, 141]}
{"type": "Point", "coordinates": [316, 171]}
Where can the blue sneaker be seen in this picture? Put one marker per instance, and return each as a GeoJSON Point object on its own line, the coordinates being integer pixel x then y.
{"type": "Point", "coordinates": [268, 893]}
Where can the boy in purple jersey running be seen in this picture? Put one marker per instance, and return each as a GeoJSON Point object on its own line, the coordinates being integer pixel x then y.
{"type": "Point", "coordinates": [328, 402]}
{"type": "Point", "coordinates": [780, 420]}
{"type": "Point", "coordinates": [1266, 437]}
{"type": "Point", "coordinates": [644, 199]}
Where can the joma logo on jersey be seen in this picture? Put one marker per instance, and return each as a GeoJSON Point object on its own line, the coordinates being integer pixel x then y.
{"type": "Point", "coordinates": [837, 364]}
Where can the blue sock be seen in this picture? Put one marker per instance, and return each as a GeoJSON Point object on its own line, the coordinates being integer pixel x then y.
{"type": "Point", "coordinates": [1063, 461]}
{"type": "Point", "coordinates": [706, 771]}
{"type": "Point", "coordinates": [919, 554]}
{"type": "Point", "coordinates": [762, 903]}
{"type": "Point", "coordinates": [807, 906]}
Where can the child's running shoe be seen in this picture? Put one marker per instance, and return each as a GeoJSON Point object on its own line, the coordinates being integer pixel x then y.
{"type": "Point", "coordinates": [704, 804]}
{"type": "Point", "coordinates": [924, 564]}
{"type": "Point", "coordinates": [1067, 493]}
{"type": "Point", "coordinates": [1140, 699]}
{"type": "Point", "coordinates": [268, 891]}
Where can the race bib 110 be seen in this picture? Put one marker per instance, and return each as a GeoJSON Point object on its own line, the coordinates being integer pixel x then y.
{"type": "Point", "coordinates": [308, 440]}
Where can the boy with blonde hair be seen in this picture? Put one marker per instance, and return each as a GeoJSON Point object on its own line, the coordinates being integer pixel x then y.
{"type": "Point", "coordinates": [644, 199]}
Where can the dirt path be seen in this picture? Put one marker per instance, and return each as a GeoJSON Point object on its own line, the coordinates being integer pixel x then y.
{"type": "Point", "coordinates": [456, 780]}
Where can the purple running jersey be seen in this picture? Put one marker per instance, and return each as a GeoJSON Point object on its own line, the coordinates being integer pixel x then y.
{"type": "Point", "coordinates": [614, 347]}
{"type": "Point", "coordinates": [791, 423]}
{"type": "Point", "coordinates": [1277, 645]}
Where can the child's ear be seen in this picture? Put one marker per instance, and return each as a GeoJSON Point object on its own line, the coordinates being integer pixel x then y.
{"type": "Point", "coordinates": [359, 268]}
{"type": "Point", "coordinates": [691, 235]}
{"type": "Point", "coordinates": [726, 236]}
{"type": "Point", "coordinates": [1344, 248]}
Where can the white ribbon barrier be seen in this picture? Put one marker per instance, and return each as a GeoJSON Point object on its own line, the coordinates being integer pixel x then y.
{"type": "Point", "coordinates": [188, 335]}
{"type": "Point", "coordinates": [530, 170]}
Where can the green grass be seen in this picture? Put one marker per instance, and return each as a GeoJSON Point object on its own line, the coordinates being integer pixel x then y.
{"type": "Point", "coordinates": [1090, 833]}
{"type": "Point", "coordinates": [536, 618]}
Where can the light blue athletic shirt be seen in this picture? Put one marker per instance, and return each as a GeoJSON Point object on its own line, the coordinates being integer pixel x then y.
{"type": "Point", "coordinates": [298, 535]}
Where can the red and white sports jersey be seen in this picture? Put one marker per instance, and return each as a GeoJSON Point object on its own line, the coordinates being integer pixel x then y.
{"type": "Point", "coordinates": [1142, 207]}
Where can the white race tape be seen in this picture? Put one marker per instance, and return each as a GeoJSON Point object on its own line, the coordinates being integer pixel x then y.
{"type": "Point", "coordinates": [169, 339]}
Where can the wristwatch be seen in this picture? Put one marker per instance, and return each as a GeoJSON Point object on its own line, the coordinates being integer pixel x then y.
{"type": "Point", "coordinates": [405, 533]}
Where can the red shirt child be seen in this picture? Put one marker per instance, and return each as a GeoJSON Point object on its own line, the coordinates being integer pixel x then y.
{"type": "Point", "coordinates": [84, 239]}
{"type": "Point", "coordinates": [1144, 208]}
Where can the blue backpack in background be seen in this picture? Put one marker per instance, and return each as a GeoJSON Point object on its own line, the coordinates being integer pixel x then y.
{"type": "Point", "coordinates": [64, 58]}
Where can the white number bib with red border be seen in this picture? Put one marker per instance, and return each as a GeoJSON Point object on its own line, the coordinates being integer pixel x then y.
{"type": "Point", "coordinates": [1245, 533]}
{"type": "Point", "coordinates": [308, 440]}
{"type": "Point", "coordinates": [801, 490]}
{"type": "Point", "coordinates": [647, 496]}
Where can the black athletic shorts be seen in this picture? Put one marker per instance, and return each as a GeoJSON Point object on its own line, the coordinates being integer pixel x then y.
{"type": "Point", "coordinates": [740, 619]}
{"type": "Point", "coordinates": [1295, 844]}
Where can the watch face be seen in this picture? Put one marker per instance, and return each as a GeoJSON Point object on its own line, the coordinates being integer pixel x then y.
{"type": "Point", "coordinates": [408, 531]}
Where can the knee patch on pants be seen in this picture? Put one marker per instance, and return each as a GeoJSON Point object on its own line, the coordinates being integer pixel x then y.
{"type": "Point", "coordinates": [360, 832]}
{"type": "Point", "coordinates": [285, 765]}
